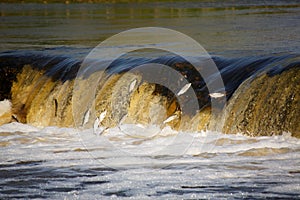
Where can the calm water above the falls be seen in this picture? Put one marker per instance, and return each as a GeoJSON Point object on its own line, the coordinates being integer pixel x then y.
{"type": "Point", "coordinates": [66, 163]}
{"type": "Point", "coordinates": [231, 28]}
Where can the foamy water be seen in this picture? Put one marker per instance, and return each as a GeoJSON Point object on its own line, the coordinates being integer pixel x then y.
{"type": "Point", "coordinates": [133, 161]}
{"type": "Point", "coordinates": [5, 106]}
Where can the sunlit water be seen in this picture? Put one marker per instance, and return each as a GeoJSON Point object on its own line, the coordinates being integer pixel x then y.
{"type": "Point", "coordinates": [70, 163]}
{"type": "Point", "coordinates": [226, 28]}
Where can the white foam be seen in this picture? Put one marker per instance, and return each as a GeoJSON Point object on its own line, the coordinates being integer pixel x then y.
{"type": "Point", "coordinates": [15, 126]}
{"type": "Point", "coordinates": [5, 107]}
{"type": "Point", "coordinates": [196, 159]}
{"type": "Point", "coordinates": [130, 143]}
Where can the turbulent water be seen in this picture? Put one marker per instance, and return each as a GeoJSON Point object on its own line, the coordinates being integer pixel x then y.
{"type": "Point", "coordinates": [67, 163]}
{"type": "Point", "coordinates": [42, 47]}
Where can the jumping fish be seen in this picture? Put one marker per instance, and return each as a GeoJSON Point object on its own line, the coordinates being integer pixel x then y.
{"type": "Point", "coordinates": [86, 117]}
{"type": "Point", "coordinates": [99, 120]}
{"type": "Point", "coordinates": [216, 95]}
{"type": "Point", "coordinates": [102, 116]}
{"type": "Point", "coordinates": [171, 118]}
{"type": "Point", "coordinates": [96, 124]}
{"type": "Point", "coordinates": [184, 89]}
{"type": "Point", "coordinates": [132, 85]}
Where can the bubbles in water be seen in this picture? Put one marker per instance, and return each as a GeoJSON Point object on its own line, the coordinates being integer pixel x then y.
{"type": "Point", "coordinates": [119, 93]}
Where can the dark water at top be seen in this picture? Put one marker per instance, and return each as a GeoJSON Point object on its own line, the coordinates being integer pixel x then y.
{"type": "Point", "coordinates": [232, 28]}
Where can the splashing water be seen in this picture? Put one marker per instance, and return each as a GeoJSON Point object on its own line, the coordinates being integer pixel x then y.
{"type": "Point", "coordinates": [77, 164]}
{"type": "Point", "coordinates": [139, 161]}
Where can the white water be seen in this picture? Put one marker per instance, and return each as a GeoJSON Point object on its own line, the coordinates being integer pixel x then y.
{"type": "Point", "coordinates": [139, 162]}
{"type": "Point", "coordinates": [5, 107]}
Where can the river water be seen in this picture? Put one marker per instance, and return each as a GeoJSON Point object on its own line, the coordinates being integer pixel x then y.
{"type": "Point", "coordinates": [66, 163]}
{"type": "Point", "coordinates": [73, 163]}
{"type": "Point", "coordinates": [253, 27]}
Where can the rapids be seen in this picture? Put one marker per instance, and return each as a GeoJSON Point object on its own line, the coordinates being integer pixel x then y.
{"type": "Point", "coordinates": [144, 146]}
{"type": "Point", "coordinates": [42, 90]}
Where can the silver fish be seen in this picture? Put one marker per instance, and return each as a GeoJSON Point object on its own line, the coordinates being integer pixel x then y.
{"type": "Point", "coordinates": [99, 120]}
{"type": "Point", "coordinates": [102, 116]}
{"type": "Point", "coordinates": [216, 95]}
{"type": "Point", "coordinates": [171, 118]}
{"type": "Point", "coordinates": [184, 89]}
{"type": "Point", "coordinates": [86, 117]}
{"type": "Point", "coordinates": [132, 85]}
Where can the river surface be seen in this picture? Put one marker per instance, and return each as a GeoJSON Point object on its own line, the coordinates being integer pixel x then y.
{"type": "Point", "coordinates": [235, 28]}
{"type": "Point", "coordinates": [66, 163]}
{"type": "Point", "coordinates": [73, 163]}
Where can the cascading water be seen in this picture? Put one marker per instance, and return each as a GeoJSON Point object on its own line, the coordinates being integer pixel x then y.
{"type": "Point", "coordinates": [41, 93]}
{"type": "Point", "coordinates": [131, 138]}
